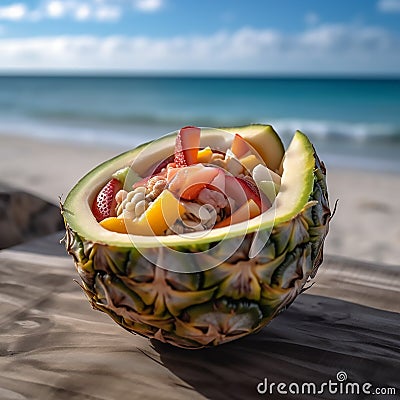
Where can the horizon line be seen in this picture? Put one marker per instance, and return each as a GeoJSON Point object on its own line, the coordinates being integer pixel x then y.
{"type": "Point", "coordinates": [194, 75]}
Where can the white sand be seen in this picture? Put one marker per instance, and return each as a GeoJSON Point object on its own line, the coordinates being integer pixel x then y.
{"type": "Point", "coordinates": [366, 225]}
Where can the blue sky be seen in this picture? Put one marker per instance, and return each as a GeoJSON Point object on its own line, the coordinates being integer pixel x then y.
{"type": "Point", "coordinates": [220, 36]}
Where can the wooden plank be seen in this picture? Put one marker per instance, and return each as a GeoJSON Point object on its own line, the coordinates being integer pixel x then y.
{"type": "Point", "coordinates": [364, 283]}
{"type": "Point", "coordinates": [53, 346]}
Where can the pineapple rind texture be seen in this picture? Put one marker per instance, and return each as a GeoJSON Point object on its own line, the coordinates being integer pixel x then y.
{"type": "Point", "coordinates": [204, 309]}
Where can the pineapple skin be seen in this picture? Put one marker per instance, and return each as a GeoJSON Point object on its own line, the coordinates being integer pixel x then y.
{"type": "Point", "coordinates": [205, 309]}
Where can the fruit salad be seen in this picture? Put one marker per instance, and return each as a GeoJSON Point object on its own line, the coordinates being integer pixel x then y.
{"type": "Point", "coordinates": [196, 189]}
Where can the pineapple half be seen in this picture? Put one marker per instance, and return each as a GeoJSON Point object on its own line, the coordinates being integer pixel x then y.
{"type": "Point", "coordinates": [221, 286]}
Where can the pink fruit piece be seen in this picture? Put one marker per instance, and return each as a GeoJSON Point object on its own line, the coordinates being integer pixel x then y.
{"type": "Point", "coordinates": [241, 191]}
{"type": "Point", "coordinates": [219, 181]}
{"type": "Point", "coordinates": [187, 146]}
{"type": "Point", "coordinates": [188, 182]}
{"type": "Point", "coordinates": [239, 147]}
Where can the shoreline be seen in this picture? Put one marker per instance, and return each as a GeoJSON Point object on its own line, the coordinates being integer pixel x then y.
{"type": "Point", "coordinates": [340, 153]}
{"type": "Point", "coordinates": [365, 227]}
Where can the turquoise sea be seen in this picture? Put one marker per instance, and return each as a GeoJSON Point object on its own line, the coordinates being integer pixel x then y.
{"type": "Point", "coordinates": [353, 122]}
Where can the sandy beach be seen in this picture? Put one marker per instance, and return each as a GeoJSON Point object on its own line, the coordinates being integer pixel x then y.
{"type": "Point", "coordinates": [365, 227]}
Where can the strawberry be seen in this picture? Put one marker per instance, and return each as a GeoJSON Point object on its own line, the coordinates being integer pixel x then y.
{"type": "Point", "coordinates": [187, 146]}
{"type": "Point", "coordinates": [251, 190]}
{"type": "Point", "coordinates": [259, 198]}
{"type": "Point", "coordinates": [104, 204]}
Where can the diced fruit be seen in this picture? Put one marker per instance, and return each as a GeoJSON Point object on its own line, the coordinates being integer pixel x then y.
{"type": "Point", "coordinates": [265, 141]}
{"type": "Point", "coordinates": [204, 155]}
{"type": "Point", "coordinates": [235, 191]}
{"type": "Point", "coordinates": [233, 165]}
{"type": "Point", "coordinates": [196, 176]}
{"type": "Point", "coordinates": [252, 192]}
{"type": "Point", "coordinates": [247, 211]}
{"type": "Point", "coordinates": [105, 203]}
{"type": "Point", "coordinates": [114, 224]}
{"type": "Point", "coordinates": [239, 190]}
{"type": "Point", "coordinates": [250, 162]}
{"type": "Point", "coordinates": [263, 173]}
{"type": "Point", "coordinates": [245, 153]}
{"type": "Point", "coordinates": [160, 215]}
{"type": "Point", "coordinates": [239, 147]}
{"type": "Point", "coordinates": [192, 192]}
{"type": "Point", "coordinates": [219, 181]}
{"type": "Point", "coordinates": [187, 146]}
{"type": "Point", "coordinates": [171, 173]}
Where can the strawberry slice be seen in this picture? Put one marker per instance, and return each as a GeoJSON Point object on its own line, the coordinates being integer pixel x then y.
{"type": "Point", "coordinates": [259, 198]}
{"type": "Point", "coordinates": [104, 204]}
{"type": "Point", "coordinates": [252, 193]}
{"type": "Point", "coordinates": [187, 146]}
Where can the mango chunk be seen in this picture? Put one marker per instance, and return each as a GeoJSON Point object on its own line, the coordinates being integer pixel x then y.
{"type": "Point", "coordinates": [160, 215]}
{"type": "Point", "coordinates": [204, 155]}
{"type": "Point", "coordinates": [114, 224]}
{"type": "Point", "coordinates": [251, 161]}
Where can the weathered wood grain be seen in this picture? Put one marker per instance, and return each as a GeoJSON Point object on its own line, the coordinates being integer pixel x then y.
{"type": "Point", "coordinates": [53, 346]}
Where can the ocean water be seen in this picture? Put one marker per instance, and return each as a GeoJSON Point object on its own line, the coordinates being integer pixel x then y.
{"type": "Point", "coordinates": [352, 122]}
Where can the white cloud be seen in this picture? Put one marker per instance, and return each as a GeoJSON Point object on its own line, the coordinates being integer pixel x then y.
{"type": "Point", "coordinates": [108, 13]}
{"type": "Point", "coordinates": [148, 5]}
{"type": "Point", "coordinates": [100, 10]}
{"type": "Point", "coordinates": [82, 12]}
{"type": "Point", "coordinates": [389, 6]}
{"type": "Point", "coordinates": [55, 9]}
{"type": "Point", "coordinates": [322, 49]}
{"type": "Point", "coordinates": [13, 12]}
